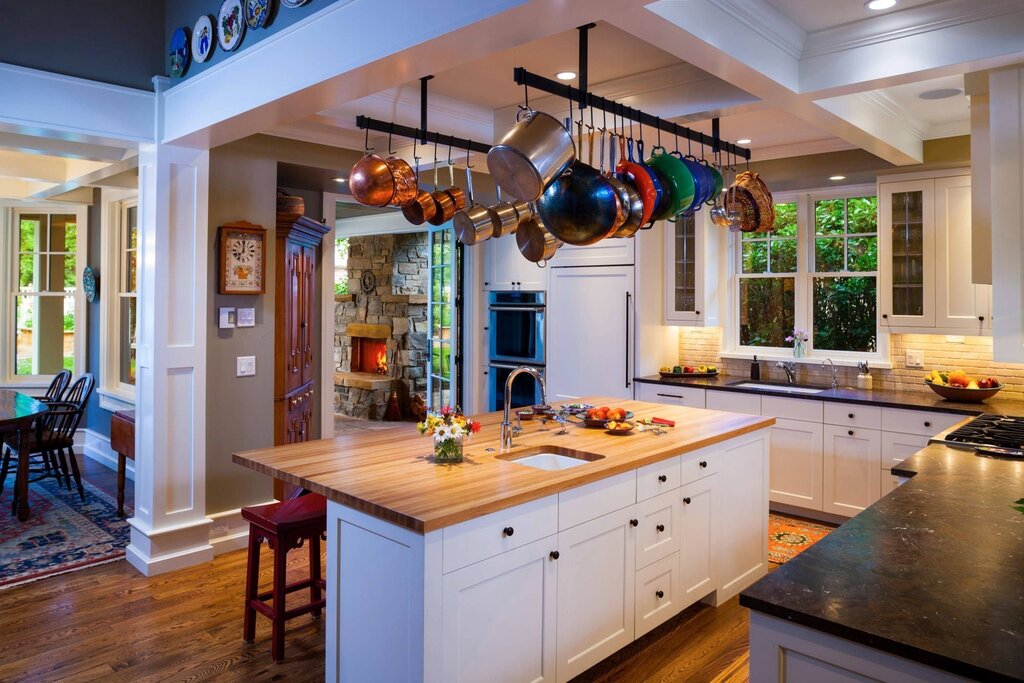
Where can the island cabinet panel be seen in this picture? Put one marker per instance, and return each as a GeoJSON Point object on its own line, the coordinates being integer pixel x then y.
{"type": "Point", "coordinates": [499, 618]}
{"type": "Point", "coordinates": [795, 470]}
{"type": "Point", "coordinates": [596, 575]}
{"type": "Point", "coordinates": [658, 593]}
{"type": "Point", "coordinates": [852, 468]}
{"type": "Point", "coordinates": [658, 478]}
{"type": "Point", "coordinates": [499, 532]}
{"type": "Point", "coordinates": [657, 532]}
{"type": "Point", "coordinates": [699, 464]}
{"type": "Point", "coordinates": [697, 531]}
{"type": "Point", "coordinates": [588, 502]}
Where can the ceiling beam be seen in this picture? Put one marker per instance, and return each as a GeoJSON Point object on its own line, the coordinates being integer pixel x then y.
{"type": "Point", "coordinates": [34, 144]}
{"type": "Point", "coordinates": [100, 178]}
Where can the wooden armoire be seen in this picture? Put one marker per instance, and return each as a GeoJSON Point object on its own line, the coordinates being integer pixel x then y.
{"type": "Point", "coordinates": [296, 341]}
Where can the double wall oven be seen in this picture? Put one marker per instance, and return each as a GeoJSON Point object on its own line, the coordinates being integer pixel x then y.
{"type": "Point", "coordinates": [516, 332]}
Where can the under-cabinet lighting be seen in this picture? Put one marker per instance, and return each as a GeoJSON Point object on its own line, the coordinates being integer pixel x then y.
{"type": "Point", "coordinates": [837, 177]}
{"type": "Point", "coordinates": [341, 180]}
{"type": "Point", "coordinates": [743, 141]}
{"type": "Point", "coordinates": [565, 75]}
{"type": "Point", "coordinates": [879, 5]}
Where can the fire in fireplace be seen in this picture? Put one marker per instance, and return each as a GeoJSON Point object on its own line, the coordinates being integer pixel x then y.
{"type": "Point", "coordinates": [369, 355]}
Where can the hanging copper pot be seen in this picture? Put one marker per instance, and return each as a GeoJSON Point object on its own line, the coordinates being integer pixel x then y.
{"type": "Point", "coordinates": [371, 181]}
{"type": "Point", "coordinates": [456, 193]}
{"type": "Point", "coordinates": [422, 207]}
{"type": "Point", "coordinates": [406, 187]}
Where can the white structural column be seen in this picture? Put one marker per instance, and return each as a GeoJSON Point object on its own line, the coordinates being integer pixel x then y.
{"type": "Point", "coordinates": [170, 529]}
{"type": "Point", "coordinates": [1006, 112]}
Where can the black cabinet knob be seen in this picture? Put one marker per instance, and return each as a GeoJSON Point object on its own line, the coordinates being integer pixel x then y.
{"type": "Point", "coordinates": [696, 312]}
{"type": "Point", "coordinates": [660, 527]}
{"type": "Point", "coordinates": [885, 316]}
{"type": "Point", "coordinates": [850, 432]}
{"type": "Point", "coordinates": [662, 478]}
{"type": "Point", "coordinates": [703, 464]}
{"type": "Point", "coordinates": [981, 318]}
{"type": "Point", "coordinates": [507, 531]}
{"type": "Point", "coordinates": [633, 522]}
{"type": "Point", "coordinates": [686, 500]}
{"type": "Point", "coordinates": [486, 284]}
{"type": "Point", "coordinates": [850, 416]}
{"type": "Point", "coordinates": [553, 555]}
{"type": "Point", "coordinates": [927, 423]}
{"type": "Point", "coordinates": [660, 594]}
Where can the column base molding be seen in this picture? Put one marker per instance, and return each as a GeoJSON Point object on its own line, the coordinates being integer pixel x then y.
{"type": "Point", "coordinates": [157, 551]}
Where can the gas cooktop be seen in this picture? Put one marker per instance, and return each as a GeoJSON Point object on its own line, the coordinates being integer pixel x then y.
{"type": "Point", "coordinates": [999, 435]}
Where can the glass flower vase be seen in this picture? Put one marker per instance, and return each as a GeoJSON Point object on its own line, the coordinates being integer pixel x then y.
{"type": "Point", "coordinates": [447, 451]}
{"type": "Point", "coordinates": [799, 350]}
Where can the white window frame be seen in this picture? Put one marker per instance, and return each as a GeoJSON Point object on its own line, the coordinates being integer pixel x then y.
{"type": "Point", "coordinates": [804, 280]}
{"type": "Point", "coordinates": [9, 245]}
{"type": "Point", "coordinates": [113, 394]}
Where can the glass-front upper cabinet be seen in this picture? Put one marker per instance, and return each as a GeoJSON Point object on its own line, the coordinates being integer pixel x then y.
{"type": "Point", "coordinates": [692, 271]}
{"type": "Point", "coordinates": [907, 253]}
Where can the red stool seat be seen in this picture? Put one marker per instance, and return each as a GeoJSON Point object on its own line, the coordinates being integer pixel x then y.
{"type": "Point", "coordinates": [285, 525]}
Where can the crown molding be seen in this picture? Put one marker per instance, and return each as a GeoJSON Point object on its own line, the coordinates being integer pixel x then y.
{"type": "Point", "coordinates": [767, 22]}
{"type": "Point", "coordinates": [890, 107]}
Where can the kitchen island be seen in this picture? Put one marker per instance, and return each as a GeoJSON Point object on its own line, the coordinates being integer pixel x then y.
{"type": "Point", "coordinates": [492, 570]}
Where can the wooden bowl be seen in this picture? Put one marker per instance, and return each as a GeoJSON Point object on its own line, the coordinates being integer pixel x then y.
{"type": "Point", "coordinates": [964, 395]}
{"type": "Point", "coordinates": [620, 431]}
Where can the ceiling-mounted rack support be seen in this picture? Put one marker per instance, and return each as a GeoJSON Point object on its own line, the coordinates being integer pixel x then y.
{"type": "Point", "coordinates": [584, 58]}
{"type": "Point", "coordinates": [532, 80]}
{"type": "Point", "coordinates": [716, 136]}
{"type": "Point", "coordinates": [423, 107]}
{"type": "Point", "coordinates": [367, 123]}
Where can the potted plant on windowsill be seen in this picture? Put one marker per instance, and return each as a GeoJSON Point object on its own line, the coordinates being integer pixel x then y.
{"type": "Point", "coordinates": [799, 340]}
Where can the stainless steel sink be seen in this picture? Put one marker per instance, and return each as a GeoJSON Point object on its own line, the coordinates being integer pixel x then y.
{"type": "Point", "coordinates": [551, 459]}
{"type": "Point", "coordinates": [780, 388]}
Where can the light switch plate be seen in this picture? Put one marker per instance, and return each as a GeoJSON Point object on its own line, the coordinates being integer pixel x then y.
{"type": "Point", "coordinates": [246, 317]}
{"type": "Point", "coordinates": [245, 366]}
{"type": "Point", "coordinates": [226, 317]}
{"type": "Point", "coordinates": [915, 358]}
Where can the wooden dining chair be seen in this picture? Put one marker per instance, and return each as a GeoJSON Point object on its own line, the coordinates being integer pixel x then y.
{"type": "Point", "coordinates": [63, 440]}
{"type": "Point", "coordinates": [54, 431]}
{"type": "Point", "coordinates": [58, 385]}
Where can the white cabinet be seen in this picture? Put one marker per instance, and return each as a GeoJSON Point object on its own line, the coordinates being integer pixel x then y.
{"type": "Point", "coordinates": [672, 395]}
{"type": "Point", "coordinates": [596, 575]}
{"type": "Point", "coordinates": [733, 402]}
{"type": "Point", "coordinates": [590, 332]}
{"type": "Point", "coordinates": [742, 543]}
{"type": "Point", "coordinates": [657, 531]}
{"type": "Point", "coordinates": [697, 535]}
{"type": "Point", "coordinates": [506, 269]}
{"type": "Point", "coordinates": [898, 447]}
{"type": "Point", "coordinates": [924, 257]}
{"type": "Point", "coordinates": [795, 472]}
{"type": "Point", "coordinates": [694, 268]}
{"type": "Point", "coordinates": [658, 594]}
{"type": "Point", "coordinates": [607, 252]}
{"type": "Point", "coordinates": [852, 467]}
{"type": "Point", "coordinates": [499, 617]}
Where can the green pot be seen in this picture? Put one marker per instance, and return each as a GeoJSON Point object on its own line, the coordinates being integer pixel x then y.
{"type": "Point", "coordinates": [678, 178]}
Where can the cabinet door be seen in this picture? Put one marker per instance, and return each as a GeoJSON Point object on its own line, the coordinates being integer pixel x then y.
{"type": "Point", "coordinates": [596, 575]}
{"type": "Point", "coordinates": [684, 271]}
{"type": "Point", "coordinates": [898, 447]}
{"type": "Point", "coordinates": [795, 464]}
{"type": "Point", "coordinates": [499, 617]}
{"type": "Point", "coordinates": [852, 467]}
{"type": "Point", "coordinates": [657, 534]}
{"type": "Point", "coordinates": [907, 253]}
{"type": "Point", "coordinates": [590, 332]}
{"type": "Point", "coordinates": [741, 539]}
{"type": "Point", "coordinates": [658, 594]}
{"type": "Point", "coordinates": [299, 420]}
{"type": "Point", "coordinates": [960, 303]}
{"type": "Point", "coordinates": [500, 263]}
{"type": "Point", "coordinates": [696, 533]}
{"type": "Point", "coordinates": [612, 252]}
{"type": "Point", "coordinates": [293, 334]}
{"type": "Point", "coordinates": [307, 311]}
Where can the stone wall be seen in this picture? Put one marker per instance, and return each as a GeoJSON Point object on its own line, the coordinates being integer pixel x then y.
{"type": "Point", "coordinates": [399, 263]}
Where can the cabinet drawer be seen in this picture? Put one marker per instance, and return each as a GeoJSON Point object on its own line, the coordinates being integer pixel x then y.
{"type": "Point", "coordinates": [918, 421]}
{"type": "Point", "coordinates": [889, 482]}
{"type": "Point", "coordinates": [898, 447]}
{"type": "Point", "coordinates": [588, 502]}
{"type": "Point", "coordinates": [658, 594]}
{"type": "Point", "coordinates": [657, 478]}
{"type": "Point", "coordinates": [678, 396]}
{"type": "Point", "coordinates": [734, 402]}
{"type": "Point", "coordinates": [791, 408]}
{"type": "Point", "coordinates": [487, 536]}
{"type": "Point", "coordinates": [698, 465]}
{"type": "Point", "coordinates": [853, 415]}
{"type": "Point", "coordinates": [657, 531]}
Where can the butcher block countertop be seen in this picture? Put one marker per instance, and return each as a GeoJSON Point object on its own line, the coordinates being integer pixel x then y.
{"type": "Point", "coordinates": [390, 473]}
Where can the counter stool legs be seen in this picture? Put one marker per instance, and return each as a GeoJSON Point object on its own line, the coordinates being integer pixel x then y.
{"type": "Point", "coordinates": [252, 580]}
{"type": "Point", "coordinates": [314, 574]}
{"type": "Point", "coordinates": [279, 598]}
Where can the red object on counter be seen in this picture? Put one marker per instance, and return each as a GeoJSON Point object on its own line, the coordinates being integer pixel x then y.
{"type": "Point", "coordinates": [663, 421]}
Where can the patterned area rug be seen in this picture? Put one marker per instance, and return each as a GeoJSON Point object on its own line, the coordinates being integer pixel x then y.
{"type": "Point", "coordinates": [62, 534]}
{"type": "Point", "coordinates": [790, 536]}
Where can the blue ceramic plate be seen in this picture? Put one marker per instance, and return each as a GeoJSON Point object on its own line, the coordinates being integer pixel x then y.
{"type": "Point", "coordinates": [294, 3]}
{"type": "Point", "coordinates": [203, 37]}
{"type": "Point", "coordinates": [257, 12]}
{"type": "Point", "coordinates": [180, 52]}
{"type": "Point", "coordinates": [230, 25]}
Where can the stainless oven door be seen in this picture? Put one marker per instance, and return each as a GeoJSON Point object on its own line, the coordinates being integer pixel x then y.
{"type": "Point", "coordinates": [525, 391]}
{"type": "Point", "coordinates": [517, 334]}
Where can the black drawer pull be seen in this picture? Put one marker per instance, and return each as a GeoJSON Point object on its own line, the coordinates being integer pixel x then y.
{"type": "Point", "coordinates": [634, 522]}
{"type": "Point", "coordinates": [850, 416]}
{"type": "Point", "coordinates": [507, 531]}
{"type": "Point", "coordinates": [660, 527]}
{"type": "Point", "coordinates": [927, 424]}
{"type": "Point", "coordinates": [660, 594]}
{"type": "Point", "coordinates": [703, 464]}
{"type": "Point", "coordinates": [686, 500]}
{"type": "Point", "coordinates": [662, 478]}
{"type": "Point", "coordinates": [850, 432]}
{"type": "Point", "coordinates": [554, 555]}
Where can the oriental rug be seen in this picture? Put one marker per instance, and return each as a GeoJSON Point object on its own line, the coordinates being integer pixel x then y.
{"type": "Point", "coordinates": [790, 536]}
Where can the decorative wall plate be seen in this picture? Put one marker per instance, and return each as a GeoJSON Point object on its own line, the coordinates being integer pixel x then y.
{"type": "Point", "coordinates": [90, 283]}
{"type": "Point", "coordinates": [368, 281]}
{"type": "Point", "coordinates": [180, 52]}
{"type": "Point", "coordinates": [257, 12]}
{"type": "Point", "coordinates": [243, 258]}
{"type": "Point", "coordinates": [294, 3]}
{"type": "Point", "coordinates": [202, 38]}
{"type": "Point", "coordinates": [230, 25]}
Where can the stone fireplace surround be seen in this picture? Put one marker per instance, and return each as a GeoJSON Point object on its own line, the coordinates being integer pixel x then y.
{"type": "Point", "coordinates": [395, 311]}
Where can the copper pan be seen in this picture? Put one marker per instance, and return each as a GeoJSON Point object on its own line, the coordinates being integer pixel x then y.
{"type": "Point", "coordinates": [371, 181]}
{"type": "Point", "coordinates": [406, 187]}
{"type": "Point", "coordinates": [456, 193]}
{"type": "Point", "coordinates": [422, 208]}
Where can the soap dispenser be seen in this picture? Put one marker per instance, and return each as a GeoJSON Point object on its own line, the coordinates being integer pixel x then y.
{"type": "Point", "coordinates": [755, 369]}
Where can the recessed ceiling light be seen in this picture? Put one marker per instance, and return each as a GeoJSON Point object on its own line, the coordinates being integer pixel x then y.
{"type": "Point", "coordinates": [341, 180]}
{"type": "Point", "coordinates": [879, 5]}
{"type": "Point", "coordinates": [837, 177]}
{"type": "Point", "coordinates": [940, 93]}
{"type": "Point", "coordinates": [743, 141]}
{"type": "Point", "coordinates": [565, 75]}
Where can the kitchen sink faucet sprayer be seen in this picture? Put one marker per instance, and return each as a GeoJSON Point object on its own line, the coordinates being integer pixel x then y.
{"type": "Point", "coordinates": [507, 430]}
{"type": "Point", "coordinates": [790, 369]}
{"type": "Point", "coordinates": [835, 377]}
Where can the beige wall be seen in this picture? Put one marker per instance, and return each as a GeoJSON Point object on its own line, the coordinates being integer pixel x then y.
{"type": "Point", "coordinates": [243, 182]}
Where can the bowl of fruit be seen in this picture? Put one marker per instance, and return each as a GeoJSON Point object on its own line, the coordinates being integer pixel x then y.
{"type": "Point", "coordinates": [688, 370]}
{"type": "Point", "coordinates": [619, 427]}
{"type": "Point", "coordinates": [598, 418]}
{"type": "Point", "coordinates": [957, 386]}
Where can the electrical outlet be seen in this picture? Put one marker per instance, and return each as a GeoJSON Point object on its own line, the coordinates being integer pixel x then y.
{"type": "Point", "coordinates": [915, 358]}
{"type": "Point", "coordinates": [245, 366]}
{"type": "Point", "coordinates": [955, 339]}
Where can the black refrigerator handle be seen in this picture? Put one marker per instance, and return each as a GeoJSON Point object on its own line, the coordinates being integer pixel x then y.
{"type": "Point", "coordinates": [627, 338]}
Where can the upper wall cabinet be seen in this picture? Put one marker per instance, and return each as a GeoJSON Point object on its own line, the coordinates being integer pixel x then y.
{"type": "Point", "coordinates": [694, 271]}
{"type": "Point", "coordinates": [505, 268]}
{"type": "Point", "coordinates": [925, 258]}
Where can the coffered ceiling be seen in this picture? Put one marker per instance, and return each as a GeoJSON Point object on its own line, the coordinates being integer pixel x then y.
{"type": "Point", "coordinates": [815, 15]}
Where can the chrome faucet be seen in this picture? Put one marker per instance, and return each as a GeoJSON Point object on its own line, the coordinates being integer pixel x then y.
{"type": "Point", "coordinates": [790, 369]}
{"type": "Point", "coordinates": [508, 432]}
{"type": "Point", "coordinates": [835, 378]}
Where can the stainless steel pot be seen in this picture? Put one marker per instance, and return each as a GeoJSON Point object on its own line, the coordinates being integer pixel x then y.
{"type": "Point", "coordinates": [536, 244]}
{"type": "Point", "coordinates": [475, 223]}
{"type": "Point", "coordinates": [508, 217]}
{"type": "Point", "coordinates": [531, 156]}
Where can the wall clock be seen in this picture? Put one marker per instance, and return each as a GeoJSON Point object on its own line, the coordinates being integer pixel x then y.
{"type": "Point", "coordinates": [90, 283]}
{"type": "Point", "coordinates": [368, 281]}
{"type": "Point", "coordinates": [243, 258]}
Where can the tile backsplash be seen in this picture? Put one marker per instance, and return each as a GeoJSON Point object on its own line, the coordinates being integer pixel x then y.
{"type": "Point", "coordinates": [974, 356]}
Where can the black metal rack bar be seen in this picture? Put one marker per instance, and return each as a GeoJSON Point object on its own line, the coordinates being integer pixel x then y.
{"type": "Point", "coordinates": [532, 80]}
{"type": "Point", "coordinates": [367, 123]}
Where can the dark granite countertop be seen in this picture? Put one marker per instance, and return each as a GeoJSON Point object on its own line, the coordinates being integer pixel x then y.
{"type": "Point", "coordinates": [933, 572]}
{"type": "Point", "coordinates": [913, 400]}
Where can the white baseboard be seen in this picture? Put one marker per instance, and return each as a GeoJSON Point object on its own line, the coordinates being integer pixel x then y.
{"type": "Point", "coordinates": [229, 531]}
{"type": "Point", "coordinates": [96, 447]}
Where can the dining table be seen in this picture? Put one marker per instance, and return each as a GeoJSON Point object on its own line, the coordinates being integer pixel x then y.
{"type": "Point", "coordinates": [18, 413]}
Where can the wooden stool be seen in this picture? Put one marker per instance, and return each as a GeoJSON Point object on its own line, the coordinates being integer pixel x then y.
{"type": "Point", "coordinates": [284, 525]}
